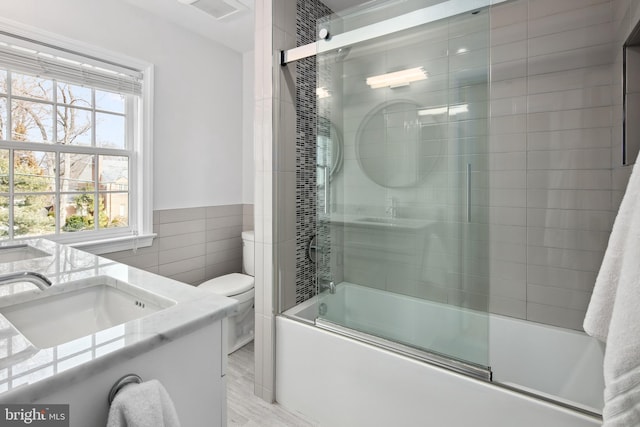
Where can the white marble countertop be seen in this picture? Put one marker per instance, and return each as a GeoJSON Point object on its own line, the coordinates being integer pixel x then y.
{"type": "Point", "coordinates": [28, 373]}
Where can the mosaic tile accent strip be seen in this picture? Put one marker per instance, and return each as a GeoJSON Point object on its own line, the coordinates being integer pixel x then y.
{"type": "Point", "coordinates": [307, 14]}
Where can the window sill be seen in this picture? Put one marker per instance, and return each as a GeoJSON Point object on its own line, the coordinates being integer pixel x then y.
{"type": "Point", "coordinates": [117, 244]}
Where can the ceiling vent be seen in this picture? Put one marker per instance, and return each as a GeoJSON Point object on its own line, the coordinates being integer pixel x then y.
{"type": "Point", "coordinates": [219, 9]}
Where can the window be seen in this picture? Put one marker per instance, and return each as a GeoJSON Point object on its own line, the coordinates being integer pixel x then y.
{"type": "Point", "coordinates": [72, 144]}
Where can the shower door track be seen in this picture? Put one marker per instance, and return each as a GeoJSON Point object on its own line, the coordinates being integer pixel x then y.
{"type": "Point", "coordinates": [470, 369]}
{"type": "Point", "coordinates": [383, 28]}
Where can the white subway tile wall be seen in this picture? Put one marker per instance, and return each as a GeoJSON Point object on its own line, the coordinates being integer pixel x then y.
{"type": "Point", "coordinates": [194, 244]}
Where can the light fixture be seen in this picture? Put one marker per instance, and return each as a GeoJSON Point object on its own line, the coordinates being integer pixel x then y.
{"type": "Point", "coordinates": [433, 111]}
{"type": "Point", "coordinates": [452, 110]}
{"type": "Point", "coordinates": [462, 50]}
{"type": "Point", "coordinates": [397, 78]}
{"type": "Point", "coordinates": [457, 109]}
{"type": "Point", "coordinates": [322, 92]}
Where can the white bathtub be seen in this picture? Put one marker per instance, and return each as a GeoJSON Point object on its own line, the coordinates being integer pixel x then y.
{"type": "Point", "coordinates": [337, 381]}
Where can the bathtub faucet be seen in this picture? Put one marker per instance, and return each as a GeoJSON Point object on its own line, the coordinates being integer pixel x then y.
{"type": "Point", "coordinates": [392, 207]}
{"type": "Point", "coordinates": [323, 285]}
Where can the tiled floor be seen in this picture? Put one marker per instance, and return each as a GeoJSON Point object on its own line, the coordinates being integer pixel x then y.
{"type": "Point", "coordinates": [243, 407]}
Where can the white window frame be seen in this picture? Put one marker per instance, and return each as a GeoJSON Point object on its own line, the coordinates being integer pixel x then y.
{"type": "Point", "coordinates": [140, 231]}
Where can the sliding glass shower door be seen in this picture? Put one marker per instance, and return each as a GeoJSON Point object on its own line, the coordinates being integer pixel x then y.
{"type": "Point", "coordinates": [402, 181]}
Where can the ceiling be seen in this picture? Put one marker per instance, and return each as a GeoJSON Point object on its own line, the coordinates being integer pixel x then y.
{"type": "Point", "coordinates": [235, 32]}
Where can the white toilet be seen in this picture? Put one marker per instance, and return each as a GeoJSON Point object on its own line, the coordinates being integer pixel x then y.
{"type": "Point", "coordinates": [238, 286]}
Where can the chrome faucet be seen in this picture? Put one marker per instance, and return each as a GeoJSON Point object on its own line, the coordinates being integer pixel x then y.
{"type": "Point", "coordinates": [323, 285]}
{"type": "Point", "coordinates": [37, 279]}
{"type": "Point", "coordinates": [392, 208]}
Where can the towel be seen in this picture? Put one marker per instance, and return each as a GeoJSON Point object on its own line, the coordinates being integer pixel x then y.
{"type": "Point", "coordinates": [613, 315]}
{"type": "Point", "coordinates": [143, 405]}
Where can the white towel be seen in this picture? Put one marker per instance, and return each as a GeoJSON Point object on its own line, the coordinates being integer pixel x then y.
{"type": "Point", "coordinates": [613, 315]}
{"type": "Point", "coordinates": [143, 405]}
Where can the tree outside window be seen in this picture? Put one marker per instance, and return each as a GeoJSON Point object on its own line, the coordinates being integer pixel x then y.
{"type": "Point", "coordinates": [66, 147]}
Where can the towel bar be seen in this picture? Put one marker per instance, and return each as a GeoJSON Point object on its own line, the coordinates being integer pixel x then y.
{"type": "Point", "coordinates": [126, 380]}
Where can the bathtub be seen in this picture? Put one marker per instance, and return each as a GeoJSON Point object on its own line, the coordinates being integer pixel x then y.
{"type": "Point", "coordinates": [537, 370]}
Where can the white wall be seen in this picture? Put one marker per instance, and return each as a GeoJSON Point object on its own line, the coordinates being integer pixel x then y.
{"type": "Point", "coordinates": [247, 127]}
{"type": "Point", "coordinates": [197, 100]}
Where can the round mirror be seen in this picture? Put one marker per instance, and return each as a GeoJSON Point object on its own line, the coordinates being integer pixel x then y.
{"type": "Point", "coordinates": [329, 151]}
{"type": "Point", "coordinates": [389, 144]}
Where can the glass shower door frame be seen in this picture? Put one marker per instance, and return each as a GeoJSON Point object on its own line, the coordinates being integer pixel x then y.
{"type": "Point", "coordinates": [327, 282]}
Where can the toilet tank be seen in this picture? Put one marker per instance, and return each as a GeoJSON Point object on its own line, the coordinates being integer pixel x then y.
{"type": "Point", "coordinates": [248, 254]}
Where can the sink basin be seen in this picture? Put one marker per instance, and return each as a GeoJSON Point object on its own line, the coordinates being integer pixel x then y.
{"type": "Point", "coordinates": [52, 320]}
{"type": "Point", "coordinates": [20, 253]}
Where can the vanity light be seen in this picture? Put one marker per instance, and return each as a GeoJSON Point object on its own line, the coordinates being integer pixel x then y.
{"type": "Point", "coordinates": [397, 78]}
{"type": "Point", "coordinates": [452, 110]}
{"type": "Point", "coordinates": [433, 111]}
{"type": "Point", "coordinates": [322, 92]}
{"type": "Point", "coordinates": [457, 109]}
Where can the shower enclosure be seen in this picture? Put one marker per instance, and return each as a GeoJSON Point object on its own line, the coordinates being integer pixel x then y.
{"type": "Point", "coordinates": [451, 206]}
{"type": "Point", "coordinates": [404, 213]}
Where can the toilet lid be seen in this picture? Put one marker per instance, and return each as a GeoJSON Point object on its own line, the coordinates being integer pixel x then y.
{"type": "Point", "coordinates": [229, 284]}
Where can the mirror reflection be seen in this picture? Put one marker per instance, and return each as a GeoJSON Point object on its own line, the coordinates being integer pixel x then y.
{"type": "Point", "coordinates": [329, 151]}
{"type": "Point", "coordinates": [389, 144]}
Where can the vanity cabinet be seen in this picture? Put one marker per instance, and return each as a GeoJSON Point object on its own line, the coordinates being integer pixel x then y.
{"type": "Point", "coordinates": [383, 253]}
{"type": "Point", "coordinates": [93, 321]}
{"type": "Point", "coordinates": [191, 368]}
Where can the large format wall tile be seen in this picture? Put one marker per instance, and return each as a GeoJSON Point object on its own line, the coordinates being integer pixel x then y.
{"type": "Point", "coordinates": [194, 244]}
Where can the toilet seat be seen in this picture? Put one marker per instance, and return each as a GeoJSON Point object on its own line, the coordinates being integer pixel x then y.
{"type": "Point", "coordinates": [229, 285]}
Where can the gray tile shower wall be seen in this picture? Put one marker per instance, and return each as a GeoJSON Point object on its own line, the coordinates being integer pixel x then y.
{"type": "Point", "coordinates": [552, 97]}
{"type": "Point", "coordinates": [550, 181]}
{"type": "Point", "coordinates": [307, 14]}
{"type": "Point", "coordinates": [626, 15]}
{"type": "Point", "coordinates": [193, 244]}
{"type": "Point", "coordinates": [554, 179]}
